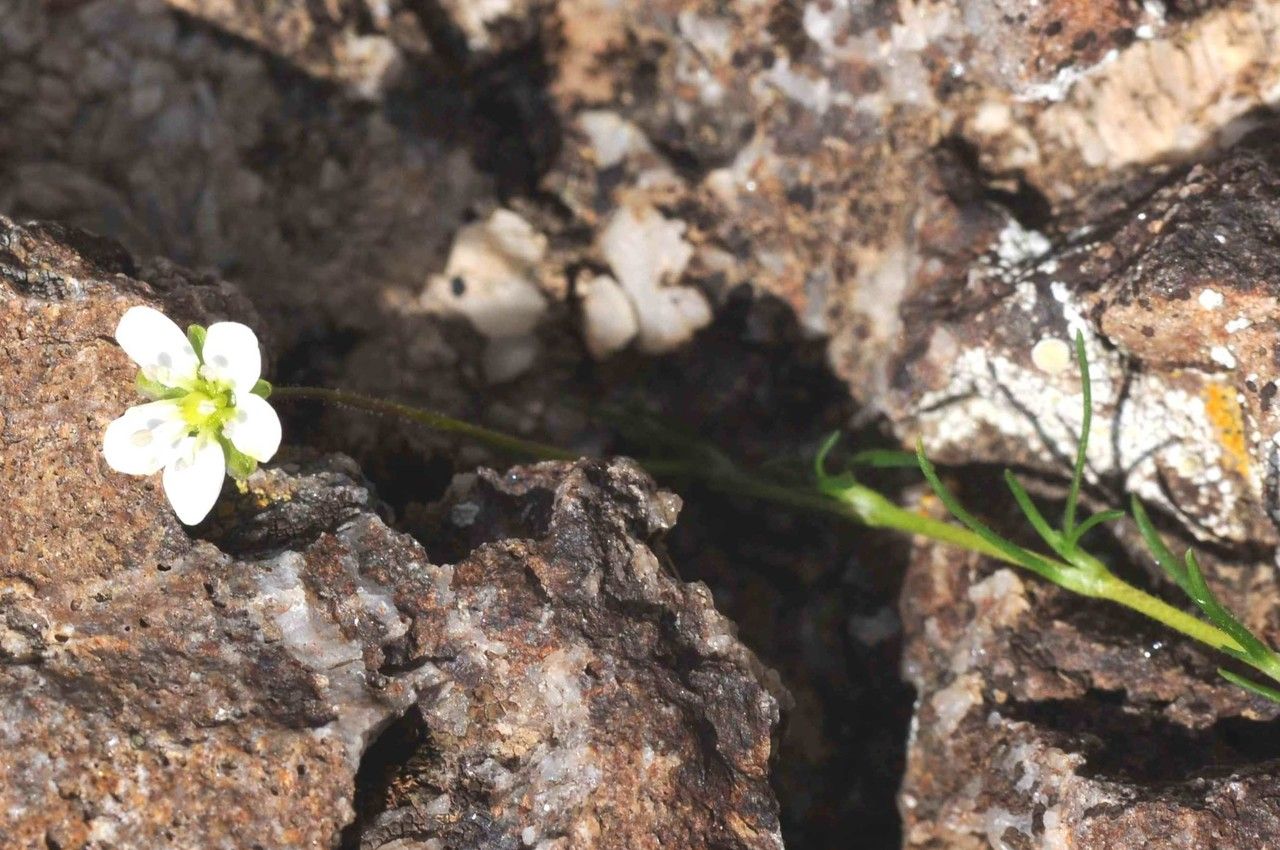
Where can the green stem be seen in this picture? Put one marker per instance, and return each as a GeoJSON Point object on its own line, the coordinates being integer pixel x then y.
{"type": "Point", "coordinates": [1123, 593]}
{"type": "Point", "coordinates": [437, 421]}
{"type": "Point", "coordinates": [852, 502]}
{"type": "Point", "coordinates": [1082, 450]}
{"type": "Point", "coordinates": [873, 509]}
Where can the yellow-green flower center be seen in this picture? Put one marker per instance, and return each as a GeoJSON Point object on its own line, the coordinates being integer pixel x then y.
{"type": "Point", "coordinates": [207, 407]}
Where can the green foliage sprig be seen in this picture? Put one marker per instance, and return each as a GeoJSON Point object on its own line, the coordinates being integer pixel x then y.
{"type": "Point", "coordinates": [1068, 563]}
{"type": "Point", "coordinates": [1075, 569]}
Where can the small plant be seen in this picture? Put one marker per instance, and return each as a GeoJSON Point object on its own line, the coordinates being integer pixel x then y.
{"type": "Point", "coordinates": [208, 414]}
{"type": "Point", "coordinates": [1073, 568]}
{"type": "Point", "coordinates": [209, 417]}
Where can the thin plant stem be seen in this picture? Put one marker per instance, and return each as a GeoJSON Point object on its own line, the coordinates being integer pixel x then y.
{"type": "Point", "coordinates": [871, 508]}
{"type": "Point", "coordinates": [1121, 592]}
{"type": "Point", "coordinates": [854, 502]}
{"type": "Point", "coordinates": [435, 421]}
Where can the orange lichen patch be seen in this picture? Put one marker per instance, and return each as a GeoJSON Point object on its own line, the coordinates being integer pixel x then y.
{"type": "Point", "coordinates": [930, 507]}
{"type": "Point", "coordinates": [1227, 417]}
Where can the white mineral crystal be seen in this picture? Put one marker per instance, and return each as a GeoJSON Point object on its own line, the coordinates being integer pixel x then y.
{"type": "Point", "coordinates": [647, 250]}
{"type": "Point", "coordinates": [491, 280]}
{"type": "Point", "coordinates": [309, 633]}
{"type": "Point", "coordinates": [612, 137]}
{"type": "Point", "coordinates": [609, 320]}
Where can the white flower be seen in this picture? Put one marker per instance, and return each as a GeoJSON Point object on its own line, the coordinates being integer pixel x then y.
{"type": "Point", "coordinates": [209, 415]}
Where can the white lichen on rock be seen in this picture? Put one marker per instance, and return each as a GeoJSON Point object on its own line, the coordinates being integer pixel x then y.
{"type": "Point", "coordinates": [1147, 426]}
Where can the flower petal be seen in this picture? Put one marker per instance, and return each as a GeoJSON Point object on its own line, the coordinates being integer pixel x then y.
{"type": "Point", "coordinates": [231, 355]}
{"type": "Point", "coordinates": [158, 346]}
{"type": "Point", "coordinates": [193, 479]}
{"type": "Point", "coordinates": [254, 427]}
{"type": "Point", "coordinates": [145, 438]}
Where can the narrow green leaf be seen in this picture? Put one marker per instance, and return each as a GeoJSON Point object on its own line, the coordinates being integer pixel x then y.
{"type": "Point", "coordinates": [196, 334]}
{"type": "Point", "coordinates": [1253, 687]}
{"type": "Point", "coordinates": [831, 485]}
{"type": "Point", "coordinates": [1037, 520]}
{"type": "Point", "coordinates": [1219, 615]}
{"type": "Point", "coordinates": [1082, 449]}
{"type": "Point", "coordinates": [1170, 563]}
{"type": "Point", "coordinates": [1199, 588]}
{"type": "Point", "coordinates": [1010, 549]}
{"type": "Point", "coordinates": [1088, 525]}
{"type": "Point", "coordinates": [885, 459]}
{"type": "Point", "coordinates": [820, 459]}
{"type": "Point", "coordinates": [262, 388]}
{"type": "Point", "coordinates": [1238, 654]}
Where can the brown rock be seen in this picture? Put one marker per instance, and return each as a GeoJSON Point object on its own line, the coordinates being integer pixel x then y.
{"type": "Point", "coordinates": [583, 698]}
{"type": "Point", "coordinates": [908, 178]}
{"type": "Point", "coordinates": [1045, 720]}
{"type": "Point", "coordinates": [149, 126]}
{"type": "Point", "coordinates": [795, 138]}
{"type": "Point", "coordinates": [845, 159]}
{"type": "Point", "coordinates": [162, 688]}
{"type": "Point", "coordinates": [156, 690]}
{"type": "Point", "coordinates": [361, 46]}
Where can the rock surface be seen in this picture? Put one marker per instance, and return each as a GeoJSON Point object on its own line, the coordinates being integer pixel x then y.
{"type": "Point", "coordinates": [584, 698]}
{"type": "Point", "coordinates": [848, 159]}
{"type": "Point", "coordinates": [1047, 721]}
{"type": "Point", "coordinates": [219, 689]}
{"type": "Point", "coordinates": [854, 161]}
{"type": "Point", "coordinates": [1177, 302]}
{"type": "Point", "coordinates": [840, 157]}
{"type": "Point", "coordinates": [1044, 721]}
{"type": "Point", "coordinates": [153, 688]}
{"type": "Point", "coordinates": [363, 47]}
{"type": "Point", "coordinates": [139, 123]}
{"type": "Point", "coordinates": [937, 187]}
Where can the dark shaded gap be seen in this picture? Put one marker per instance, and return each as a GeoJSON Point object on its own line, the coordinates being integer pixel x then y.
{"type": "Point", "coordinates": [970, 181]}
{"type": "Point", "coordinates": [508, 117]}
{"type": "Point", "coordinates": [383, 762]}
{"type": "Point", "coordinates": [1122, 743]}
{"type": "Point", "coordinates": [814, 597]}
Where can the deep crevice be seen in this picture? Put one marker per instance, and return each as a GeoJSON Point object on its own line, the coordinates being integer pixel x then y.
{"type": "Point", "coordinates": [513, 128]}
{"type": "Point", "coordinates": [1135, 745]}
{"type": "Point", "coordinates": [382, 764]}
{"type": "Point", "coordinates": [966, 180]}
{"type": "Point", "coordinates": [753, 385]}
